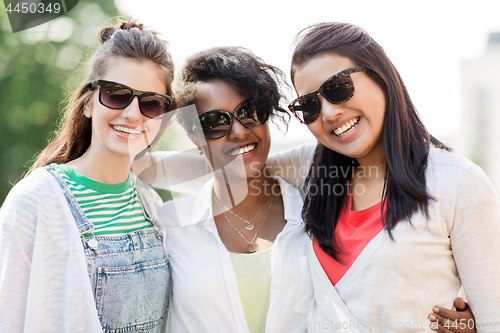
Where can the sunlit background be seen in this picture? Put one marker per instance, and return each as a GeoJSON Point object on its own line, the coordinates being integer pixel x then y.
{"type": "Point", "coordinates": [446, 51]}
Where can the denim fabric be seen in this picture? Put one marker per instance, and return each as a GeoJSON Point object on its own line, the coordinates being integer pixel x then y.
{"type": "Point", "coordinates": [129, 274]}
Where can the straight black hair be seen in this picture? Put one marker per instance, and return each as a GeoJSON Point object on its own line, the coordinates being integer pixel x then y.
{"type": "Point", "coordinates": [405, 139]}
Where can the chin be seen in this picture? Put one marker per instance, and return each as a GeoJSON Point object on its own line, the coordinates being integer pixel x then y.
{"type": "Point", "coordinates": [254, 171]}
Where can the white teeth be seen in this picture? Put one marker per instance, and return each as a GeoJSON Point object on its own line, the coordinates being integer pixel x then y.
{"type": "Point", "coordinates": [346, 128]}
{"type": "Point", "coordinates": [242, 150]}
{"type": "Point", "coordinates": [126, 130]}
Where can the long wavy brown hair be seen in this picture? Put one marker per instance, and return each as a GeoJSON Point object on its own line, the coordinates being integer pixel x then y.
{"type": "Point", "coordinates": [128, 39]}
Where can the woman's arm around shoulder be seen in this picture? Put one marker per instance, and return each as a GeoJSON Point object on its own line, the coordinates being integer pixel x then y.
{"type": "Point", "coordinates": [188, 172]}
{"type": "Point", "coordinates": [185, 171]}
{"type": "Point", "coordinates": [293, 164]}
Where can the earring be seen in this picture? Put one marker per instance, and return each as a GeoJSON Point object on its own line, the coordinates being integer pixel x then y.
{"type": "Point", "coordinates": [200, 151]}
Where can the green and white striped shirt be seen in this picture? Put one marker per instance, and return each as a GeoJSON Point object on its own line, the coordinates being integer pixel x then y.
{"type": "Point", "coordinates": [113, 209]}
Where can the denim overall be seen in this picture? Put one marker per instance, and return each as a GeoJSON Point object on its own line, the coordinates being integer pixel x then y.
{"type": "Point", "coordinates": [129, 274]}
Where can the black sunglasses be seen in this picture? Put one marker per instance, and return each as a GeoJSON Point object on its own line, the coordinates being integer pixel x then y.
{"type": "Point", "coordinates": [215, 124]}
{"type": "Point", "coordinates": [337, 89]}
{"type": "Point", "coordinates": [118, 96]}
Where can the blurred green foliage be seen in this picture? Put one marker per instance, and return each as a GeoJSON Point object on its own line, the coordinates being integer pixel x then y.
{"type": "Point", "coordinates": [37, 68]}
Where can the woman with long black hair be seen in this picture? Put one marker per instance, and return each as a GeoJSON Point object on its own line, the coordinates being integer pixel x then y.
{"type": "Point", "coordinates": [403, 223]}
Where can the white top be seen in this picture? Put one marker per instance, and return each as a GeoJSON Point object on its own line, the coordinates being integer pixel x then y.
{"type": "Point", "coordinates": [44, 283]}
{"type": "Point", "coordinates": [393, 285]}
{"type": "Point", "coordinates": [205, 296]}
{"type": "Point", "coordinates": [253, 274]}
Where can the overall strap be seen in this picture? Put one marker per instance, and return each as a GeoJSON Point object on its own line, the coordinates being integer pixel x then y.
{"type": "Point", "coordinates": [81, 220]}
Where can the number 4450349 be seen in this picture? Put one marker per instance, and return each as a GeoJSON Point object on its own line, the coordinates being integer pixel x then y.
{"type": "Point", "coordinates": [34, 8]}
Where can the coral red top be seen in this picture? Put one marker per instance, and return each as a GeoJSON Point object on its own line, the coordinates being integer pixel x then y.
{"type": "Point", "coordinates": [355, 229]}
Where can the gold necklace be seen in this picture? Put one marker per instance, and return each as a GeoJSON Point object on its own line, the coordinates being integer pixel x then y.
{"type": "Point", "coordinates": [249, 225]}
{"type": "Point", "coordinates": [84, 169]}
{"type": "Point", "coordinates": [252, 246]}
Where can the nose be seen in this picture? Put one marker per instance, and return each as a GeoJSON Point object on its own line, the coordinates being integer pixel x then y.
{"type": "Point", "coordinates": [329, 111]}
{"type": "Point", "coordinates": [238, 131]}
{"type": "Point", "coordinates": [132, 112]}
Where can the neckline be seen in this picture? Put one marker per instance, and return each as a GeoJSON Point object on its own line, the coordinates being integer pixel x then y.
{"type": "Point", "coordinates": [251, 254]}
{"type": "Point", "coordinates": [94, 184]}
{"type": "Point", "coordinates": [363, 212]}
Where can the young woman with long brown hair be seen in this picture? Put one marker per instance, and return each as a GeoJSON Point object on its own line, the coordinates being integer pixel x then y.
{"type": "Point", "coordinates": [80, 246]}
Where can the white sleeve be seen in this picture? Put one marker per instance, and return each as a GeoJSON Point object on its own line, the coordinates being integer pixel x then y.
{"type": "Point", "coordinates": [187, 171]}
{"type": "Point", "coordinates": [292, 165]}
{"type": "Point", "coordinates": [44, 283]}
{"type": "Point", "coordinates": [152, 198]}
{"type": "Point", "coordinates": [475, 241]}
{"type": "Point", "coordinates": [16, 251]}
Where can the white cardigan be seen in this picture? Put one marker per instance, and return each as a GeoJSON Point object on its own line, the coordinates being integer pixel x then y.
{"type": "Point", "coordinates": [44, 283]}
{"type": "Point", "coordinates": [393, 285]}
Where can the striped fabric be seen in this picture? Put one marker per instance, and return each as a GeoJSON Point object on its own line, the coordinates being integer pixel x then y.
{"type": "Point", "coordinates": [114, 209]}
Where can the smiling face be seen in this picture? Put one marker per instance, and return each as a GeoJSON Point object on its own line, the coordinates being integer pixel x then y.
{"type": "Point", "coordinates": [352, 128]}
{"type": "Point", "coordinates": [250, 145]}
{"type": "Point", "coordinates": [125, 132]}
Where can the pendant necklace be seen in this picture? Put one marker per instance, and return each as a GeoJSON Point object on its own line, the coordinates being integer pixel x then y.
{"type": "Point", "coordinates": [252, 246]}
{"type": "Point", "coordinates": [84, 169]}
{"type": "Point", "coordinates": [249, 225]}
